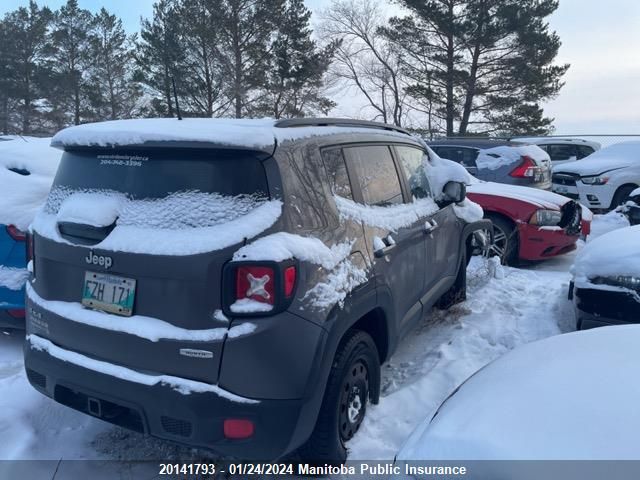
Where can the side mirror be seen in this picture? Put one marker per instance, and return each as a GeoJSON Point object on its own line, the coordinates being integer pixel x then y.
{"type": "Point", "coordinates": [454, 192]}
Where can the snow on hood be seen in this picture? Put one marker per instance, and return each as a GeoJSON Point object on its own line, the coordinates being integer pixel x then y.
{"type": "Point", "coordinates": [23, 195]}
{"type": "Point", "coordinates": [534, 196]}
{"type": "Point", "coordinates": [612, 254]}
{"type": "Point", "coordinates": [568, 397]}
{"type": "Point", "coordinates": [621, 155]}
{"type": "Point", "coordinates": [259, 134]}
{"type": "Point", "coordinates": [183, 223]}
{"type": "Point", "coordinates": [496, 157]}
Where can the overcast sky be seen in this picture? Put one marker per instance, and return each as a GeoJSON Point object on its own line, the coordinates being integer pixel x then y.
{"type": "Point", "coordinates": [601, 41]}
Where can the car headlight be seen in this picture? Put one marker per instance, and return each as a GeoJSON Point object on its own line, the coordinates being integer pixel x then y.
{"type": "Point", "coordinates": [546, 218]}
{"type": "Point", "coordinates": [624, 281]}
{"type": "Point", "coordinates": [595, 180]}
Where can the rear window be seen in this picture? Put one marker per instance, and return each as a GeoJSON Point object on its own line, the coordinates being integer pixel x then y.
{"type": "Point", "coordinates": [165, 189]}
{"type": "Point", "coordinates": [155, 174]}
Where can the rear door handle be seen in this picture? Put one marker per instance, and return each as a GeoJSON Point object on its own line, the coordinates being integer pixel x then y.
{"type": "Point", "coordinates": [389, 244]}
{"type": "Point", "coordinates": [383, 252]}
{"type": "Point", "coordinates": [430, 226]}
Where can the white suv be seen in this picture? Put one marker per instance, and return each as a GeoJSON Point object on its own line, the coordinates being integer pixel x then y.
{"type": "Point", "coordinates": [602, 181]}
{"type": "Point", "coordinates": [564, 150]}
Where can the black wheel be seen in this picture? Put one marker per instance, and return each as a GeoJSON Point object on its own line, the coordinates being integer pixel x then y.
{"type": "Point", "coordinates": [353, 381]}
{"type": "Point", "coordinates": [622, 195]}
{"type": "Point", "coordinates": [505, 241]}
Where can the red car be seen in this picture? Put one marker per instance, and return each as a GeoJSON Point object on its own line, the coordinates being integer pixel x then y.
{"type": "Point", "coordinates": [530, 224]}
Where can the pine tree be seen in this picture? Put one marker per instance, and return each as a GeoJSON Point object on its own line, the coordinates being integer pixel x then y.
{"type": "Point", "coordinates": [160, 56]}
{"type": "Point", "coordinates": [71, 58]}
{"type": "Point", "coordinates": [295, 77]}
{"type": "Point", "coordinates": [200, 80]}
{"type": "Point", "coordinates": [485, 61]}
{"type": "Point", "coordinates": [245, 28]}
{"type": "Point", "coordinates": [112, 91]}
{"type": "Point", "coordinates": [22, 59]}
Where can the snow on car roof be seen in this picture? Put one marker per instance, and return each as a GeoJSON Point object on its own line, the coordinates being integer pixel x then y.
{"type": "Point", "coordinates": [27, 168]}
{"type": "Point", "coordinates": [612, 254]}
{"type": "Point", "coordinates": [259, 134]}
{"type": "Point", "coordinates": [535, 196]}
{"type": "Point", "coordinates": [568, 397]}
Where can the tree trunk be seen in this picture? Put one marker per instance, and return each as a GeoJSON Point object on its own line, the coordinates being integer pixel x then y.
{"type": "Point", "coordinates": [450, 107]}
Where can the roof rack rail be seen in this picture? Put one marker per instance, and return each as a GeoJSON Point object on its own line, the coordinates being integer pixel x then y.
{"type": "Point", "coordinates": [337, 122]}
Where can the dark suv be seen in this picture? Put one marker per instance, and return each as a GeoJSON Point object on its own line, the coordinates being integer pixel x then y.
{"type": "Point", "coordinates": [235, 285]}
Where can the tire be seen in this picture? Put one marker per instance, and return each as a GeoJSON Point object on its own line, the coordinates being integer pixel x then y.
{"type": "Point", "coordinates": [505, 240]}
{"type": "Point", "coordinates": [622, 195]}
{"type": "Point", "coordinates": [458, 291]}
{"type": "Point", "coordinates": [354, 379]}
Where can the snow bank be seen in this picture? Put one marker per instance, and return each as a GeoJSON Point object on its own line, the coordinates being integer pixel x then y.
{"type": "Point", "coordinates": [342, 276]}
{"type": "Point", "coordinates": [610, 255]}
{"type": "Point", "coordinates": [23, 195]}
{"type": "Point", "coordinates": [568, 397]}
{"type": "Point", "coordinates": [182, 385]}
{"type": "Point", "coordinates": [183, 223]}
{"type": "Point", "coordinates": [149, 328]}
{"type": "Point", "coordinates": [13, 278]}
{"type": "Point", "coordinates": [497, 157]}
{"type": "Point", "coordinates": [243, 133]}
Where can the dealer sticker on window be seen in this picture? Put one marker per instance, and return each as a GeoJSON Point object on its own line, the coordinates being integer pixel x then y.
{"type": "Point", "coordinates": [109, 293]}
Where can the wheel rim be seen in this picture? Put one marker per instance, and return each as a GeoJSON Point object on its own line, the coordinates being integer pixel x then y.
{"type": "Point", "coordinates": [500, 243]}
{"type": "Point", "coordinates": [353, 400]}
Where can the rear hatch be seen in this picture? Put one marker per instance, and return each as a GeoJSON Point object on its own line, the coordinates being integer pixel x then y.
{"type": "Point", "coordinates": [145, 234]}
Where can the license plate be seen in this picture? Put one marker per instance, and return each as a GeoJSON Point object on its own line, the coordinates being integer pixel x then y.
{"type": "Point", "coordinates": [109, 293]}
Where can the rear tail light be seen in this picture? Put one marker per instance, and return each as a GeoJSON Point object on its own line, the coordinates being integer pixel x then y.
{"type": "Point", "coordinates": [255, 283]}
{"type": "Point", "coordinates": [15, 233]}
{"type": "Point", "coordinates": [238, 429]}
{"type": "Point", "coordinates": [258, 288]}
{"type": "Point", "coordinates": [30, 247]}
{"type": "Point", "coordinates": [18, 313]}
{"type": "Point", "coordinates": [526, 169]}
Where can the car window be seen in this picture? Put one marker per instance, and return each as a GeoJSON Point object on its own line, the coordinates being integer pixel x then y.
{"type": "Point", "coordinates": [412, 162]}
{"type": "Point", "coordinates": [376, 174]}
{"type": "Point", "coordinates": [337, 172]}
{"type": "Point", "coordinates": [465, 156]}
{"type": "Point", "coordinates": [561, 151]}
{"type": "Point", "coordinates": [584, 151]}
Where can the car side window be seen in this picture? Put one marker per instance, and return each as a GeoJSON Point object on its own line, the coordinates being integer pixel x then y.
{"type": "Point", "coordinates": [561, 151]}
{"type": "Point", "coordinates": [584, 151]}
{"type": "Point", "coordinates": [337, 172]}
{"type": "Point", "coordinates": [412, 162]}
{"type": "Point", "coordinates": [376, 174]}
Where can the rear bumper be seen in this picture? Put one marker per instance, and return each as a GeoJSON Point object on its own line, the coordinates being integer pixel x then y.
{"type": "Point", "coordinates": [194, 419]}
{"type": "Point", "coordinates": [597, 308]}
{"type": "Point", "coordinates": [537, 244]}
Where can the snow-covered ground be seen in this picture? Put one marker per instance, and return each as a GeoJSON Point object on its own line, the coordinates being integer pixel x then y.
{"type": "Point", "coordinates": [506, 307]}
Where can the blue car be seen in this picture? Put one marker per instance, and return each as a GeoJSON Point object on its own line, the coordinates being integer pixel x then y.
{"type": "Point", "coordinates": [12, 276]}
{"type": "Point", "coordinates": [27, 168]}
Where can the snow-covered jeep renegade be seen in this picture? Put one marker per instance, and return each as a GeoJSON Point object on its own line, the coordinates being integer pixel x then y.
{"type": "Point", "coordinates": [236, 284]}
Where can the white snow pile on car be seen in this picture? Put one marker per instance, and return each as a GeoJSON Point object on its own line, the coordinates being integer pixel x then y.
{"type": "Point", "coordinates": [636, 192]}
{"type": "Point", "coordinates": [614, 254]}
{"type": "Point", "coordinates": [13, 278]}
{"type": "Point", "coordinates": [342, 276]}
{"type": "Point", "coordinates": [439, 172]}
{"type": "Point", "coordinates": [243, 133]}
{"type": "Point", "coordinates": [568, 397]}
{"type": "Point", "coordinates": [497, 157]}
{"type": "Point", "coordinates": [27, 168]}
{"type": "Point", "coordinates": [182, 223]}
{"type": "Point", "coordinates": [620, 155]}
